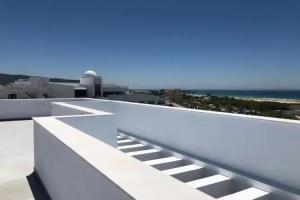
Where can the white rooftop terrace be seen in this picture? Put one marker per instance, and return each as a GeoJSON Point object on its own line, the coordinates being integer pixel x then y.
{"type": "Point", "coordinates": [117, 150]}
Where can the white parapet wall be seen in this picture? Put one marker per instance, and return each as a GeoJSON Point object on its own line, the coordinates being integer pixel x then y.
{"type": "Point", "coordinates": [262, 148]}
{"type": "Point", "coordinates": [72, 165]}
{"type": "Point", "coordinates": [64, 173]}
{"type": "Point", "coordinates": [61, 109]}
{"type": "Point", "coordinates": [99, 124]}
{"type": "Point", "coordinates": [28, 108]}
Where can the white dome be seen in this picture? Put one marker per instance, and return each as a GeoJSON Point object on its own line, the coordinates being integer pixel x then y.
{"type": "Point", "coordinates": [90, 73]}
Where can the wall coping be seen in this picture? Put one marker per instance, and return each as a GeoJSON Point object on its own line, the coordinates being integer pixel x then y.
{"type": "Point", "coordinates": [80, 108]}
{"type": "Point", "coordinates": [254, 117]}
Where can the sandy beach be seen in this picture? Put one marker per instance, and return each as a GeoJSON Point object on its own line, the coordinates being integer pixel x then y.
{"type": "Point", "coordinates": [288, 101]}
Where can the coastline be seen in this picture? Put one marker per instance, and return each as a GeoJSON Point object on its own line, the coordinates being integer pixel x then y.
{"type": "Point", "coordinates": [287, 101]}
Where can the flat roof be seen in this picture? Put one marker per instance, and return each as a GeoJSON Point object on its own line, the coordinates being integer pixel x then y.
{"type": "Point", "coordinates": [17, 179]}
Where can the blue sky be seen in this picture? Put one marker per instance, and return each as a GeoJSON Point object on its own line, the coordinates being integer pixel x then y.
{"type": "Point", "coordinates": [212, 44]}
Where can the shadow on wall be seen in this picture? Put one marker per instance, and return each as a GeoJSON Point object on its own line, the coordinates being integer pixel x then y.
{"type": "Point", "coordinates": [38, 190]}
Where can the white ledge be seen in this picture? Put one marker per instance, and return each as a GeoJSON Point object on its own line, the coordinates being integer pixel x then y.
{"type": "Point", "coordinates": [255, 117]}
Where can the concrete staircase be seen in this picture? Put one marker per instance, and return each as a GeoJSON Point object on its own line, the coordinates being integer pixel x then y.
{"type": "Point", "coordinates": [214, 184]}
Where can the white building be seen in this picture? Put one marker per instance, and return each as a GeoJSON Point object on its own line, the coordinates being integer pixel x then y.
{"type": "Point", "coordinates": [90, 85]}
{"type": "Point", "coordinates": [112, 89]}
{"type": "Point", "coordinates": [93, 84]}
{"type": "Point", "coordinates": [34, 87]}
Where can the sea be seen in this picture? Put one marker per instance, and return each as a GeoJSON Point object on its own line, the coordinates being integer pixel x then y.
{"type": "Point", "coordinates": [283, 95]}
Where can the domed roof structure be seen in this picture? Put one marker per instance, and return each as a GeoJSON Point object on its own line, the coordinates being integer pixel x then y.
{"type": "Point", "coordinates": [90, 73]}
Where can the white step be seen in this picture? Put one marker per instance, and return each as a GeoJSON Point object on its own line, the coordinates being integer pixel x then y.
{"type": "Point", "coordinates": [126, 142]}
{"type": "Point", "coordinates": [133, 147]}
{"type": "Point", "coordinates": [148, 154]}
{"type": "Point", "coordinates": [162, 160]}
{"type": "Point", "coordinates": [165, 163]}
{"type": "Point", "coordinates": [248, 194]}
{"type": "Point", "coordinates": [119, 137]}
{"type": "Point", "coordinates": [208, 181]}
{"type": "Point", "coordinates": [183, 169]}
{"type": "Point", "coordinates": [188, 172]}
{"type": "Point", "coordinates": [143, 152]}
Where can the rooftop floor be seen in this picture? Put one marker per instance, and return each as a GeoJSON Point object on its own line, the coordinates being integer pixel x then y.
{"type": "Point", "coordinates": [17, 179]}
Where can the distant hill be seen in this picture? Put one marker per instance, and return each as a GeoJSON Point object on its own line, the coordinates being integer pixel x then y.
{"type": "Point", "coordinates": [10, 78]}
